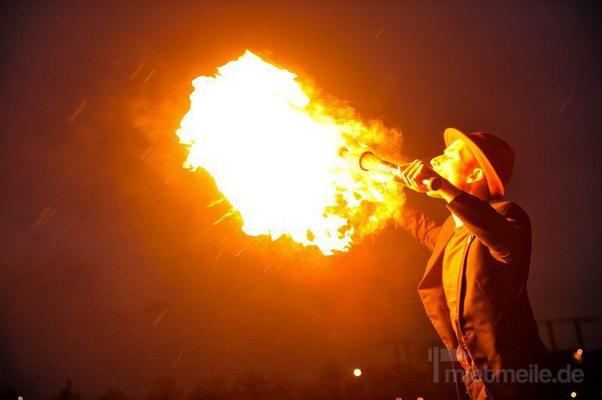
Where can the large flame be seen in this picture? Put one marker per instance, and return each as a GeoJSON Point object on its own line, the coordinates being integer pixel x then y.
{"type": "Point", "coordinates": [285, 160]}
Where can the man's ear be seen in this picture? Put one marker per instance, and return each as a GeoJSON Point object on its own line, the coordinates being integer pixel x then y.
{"type": "Point", "coordinates": [475, 175]}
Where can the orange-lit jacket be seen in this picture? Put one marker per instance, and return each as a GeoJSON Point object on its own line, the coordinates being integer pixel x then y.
{"type": "Point", "coordinates": [496, 320]}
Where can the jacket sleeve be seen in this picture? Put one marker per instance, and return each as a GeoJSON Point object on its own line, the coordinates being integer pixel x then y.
{"type": "Point", "coordinates": [506, 231]}
{"type": "Point", "coordinates": [422, 228]}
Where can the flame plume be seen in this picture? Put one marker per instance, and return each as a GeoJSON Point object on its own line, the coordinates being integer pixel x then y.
{"type": "Point", "coordinates": [274, 151]}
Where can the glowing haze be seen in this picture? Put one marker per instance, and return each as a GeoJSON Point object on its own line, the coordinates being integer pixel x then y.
{"type": "Point", "coordinates": [284, 159]}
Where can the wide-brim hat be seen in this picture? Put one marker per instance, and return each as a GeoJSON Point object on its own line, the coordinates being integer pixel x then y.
{"type": "Point", "coordinates": [495, 157]}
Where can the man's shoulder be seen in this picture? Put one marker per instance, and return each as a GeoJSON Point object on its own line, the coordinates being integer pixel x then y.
{"type": "Point", "coordinates": [510, 208]}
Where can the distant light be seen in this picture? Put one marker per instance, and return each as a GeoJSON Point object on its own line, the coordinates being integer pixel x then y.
{"type": "Point", "coordinates": [357, 372]}
{"type": "Point", "coordinates": [398, 398]}
{"type": "Point", "coordinates": [419, 398]}
{"type": "Point", "coordinates": [20, 398]}
{"type": "Point", "coordinates": [573, 394]}
{"type": "Point", "coordinates": [578, 355]}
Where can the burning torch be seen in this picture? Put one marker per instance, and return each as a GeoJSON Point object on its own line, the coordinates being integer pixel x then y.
{"type": "Point", "coordinates": [370, 162]}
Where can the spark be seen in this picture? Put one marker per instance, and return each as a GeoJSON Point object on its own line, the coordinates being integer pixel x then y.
{"type": "Point", "coordinates": [160, 316]}
{"type": "Point", "coordinates": [145, 153]}
{"type": "Point", "coordinates": [149, 76]}
{"type": "Point", "coordinates": [177, 360]}
{"type": "Point", "coordinates": [77, 111]}
{"type": "Point", "coordinates": [137, 71]}
{"type": "Point", "coordinates": [566, 102]}
{"type": "Point", "coordinates": [242, 249]}
{"type": "Point", "coordinates": [223, 217]}
{"type": "Point", "coordinates": [70, 225]}
{"type": "Point", "coordinates": [170, 178]}
{"type": "Point", "coordinates": [43, 218]}
{"type": "Point", "coordinates": [219, 255]}
{"type": "Point", "coordinates": [216, 202]}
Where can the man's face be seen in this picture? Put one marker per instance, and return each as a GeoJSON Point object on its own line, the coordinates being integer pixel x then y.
{"type": "Point", "coordinates": [455, 164]}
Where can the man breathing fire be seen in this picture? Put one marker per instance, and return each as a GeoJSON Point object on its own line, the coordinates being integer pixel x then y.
{"type": "Point", "coordinates": [474, 286]}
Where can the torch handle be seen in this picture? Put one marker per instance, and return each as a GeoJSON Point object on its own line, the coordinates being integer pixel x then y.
{"type": "Point", "coordinates": [368, 161]}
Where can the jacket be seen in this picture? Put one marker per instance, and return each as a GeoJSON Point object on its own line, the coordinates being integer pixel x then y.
{"type": "Point", "coordinates": [496, 323]}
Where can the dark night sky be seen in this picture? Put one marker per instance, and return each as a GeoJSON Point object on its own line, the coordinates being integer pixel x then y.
{"type": "Point", "coordinates": [111, 274]}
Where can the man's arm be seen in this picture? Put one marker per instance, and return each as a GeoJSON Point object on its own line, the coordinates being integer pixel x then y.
{"type": "Point", "coordinates": [422, 228]}
{"type": "Point", "coordinates": [505, 233]}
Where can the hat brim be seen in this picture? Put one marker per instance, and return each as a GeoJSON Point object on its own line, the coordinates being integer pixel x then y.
{"type": "Point", "coordinates": [496, 187]}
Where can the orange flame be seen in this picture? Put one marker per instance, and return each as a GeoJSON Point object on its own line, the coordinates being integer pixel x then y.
{"type": "Point", "coordinates": [274, 151]}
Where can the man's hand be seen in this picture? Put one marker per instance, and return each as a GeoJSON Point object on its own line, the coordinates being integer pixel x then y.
{"type": "Point", "coordinates": [418, 173]}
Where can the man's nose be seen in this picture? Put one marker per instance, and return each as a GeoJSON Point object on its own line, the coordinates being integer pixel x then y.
{"type": "Point", "coordinates": [435, 162]}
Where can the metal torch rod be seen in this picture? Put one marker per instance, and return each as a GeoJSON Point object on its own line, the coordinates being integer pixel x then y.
{"type": "Point", "coordinates": [369, 162]}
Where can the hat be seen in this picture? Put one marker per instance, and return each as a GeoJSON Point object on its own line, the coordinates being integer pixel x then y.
{"type": "Point", "coordinates": [495, 157]}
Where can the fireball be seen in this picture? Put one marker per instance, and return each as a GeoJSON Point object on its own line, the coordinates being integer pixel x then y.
{"type": "Point", "coordinates": [284, 158]}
